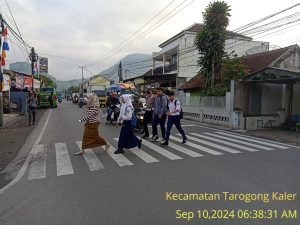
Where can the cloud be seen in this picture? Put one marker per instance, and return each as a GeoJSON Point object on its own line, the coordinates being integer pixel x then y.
{"type": "Point", "coordinates": [88, 29]}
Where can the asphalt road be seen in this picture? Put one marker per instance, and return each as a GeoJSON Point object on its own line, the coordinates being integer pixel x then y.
{"type": "Point", "coordinates": [59, 188]}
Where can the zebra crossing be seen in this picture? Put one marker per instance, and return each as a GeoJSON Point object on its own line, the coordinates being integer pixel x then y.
{"type": "Point", "coordinates": [198, 145]}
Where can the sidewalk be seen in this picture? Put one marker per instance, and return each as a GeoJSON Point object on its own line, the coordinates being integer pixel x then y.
{"type": "Point", "coordinates": [13, 136]}
{"type": "Point", "coordinates": [274, 134]}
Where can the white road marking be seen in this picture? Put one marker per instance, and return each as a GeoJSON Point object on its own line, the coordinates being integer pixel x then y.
{"type": "Point", "coordinates": [184, 150]}
{"type": "Point", "coordinates": [63, 162]}
{"type": "Point", "coordinates": [226, 143]}
{"type": "Point", "coordinates": [199, 147]}
{"type": "Point", "coordinates": [26, 163]}
{"type": "Point", "coordinates": [212, 144]}
{"type": "Point", "coordinates": [161, 151]}
{"type": "Point", "coordinates": [141, 154]}
{"type": "Point", "coordinates": [238, 141]}
{"type": "Point", "coordinates": [253, 140]}
{"type": "Point", "coordinates": [91, 159]}
{"type": "Point", "coordinates": [37, 169]}
{"type": "Point", "coordinates": [120, 159]}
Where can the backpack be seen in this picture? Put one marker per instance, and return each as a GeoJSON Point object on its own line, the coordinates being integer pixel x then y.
{"type": "Point", "coordinates": [134, 120]}
{"type": "Point", "coordinates": [181, 112]}
{"type": "Point", "coordinates": [32, 104]}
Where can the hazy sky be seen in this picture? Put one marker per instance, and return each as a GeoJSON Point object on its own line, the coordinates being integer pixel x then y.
{"type": "Point", "coordinates": [86, 30]}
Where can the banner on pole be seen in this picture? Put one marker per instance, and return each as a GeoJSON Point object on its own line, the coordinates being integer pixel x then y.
{"type": "Point", "coordinates": [43, 65]}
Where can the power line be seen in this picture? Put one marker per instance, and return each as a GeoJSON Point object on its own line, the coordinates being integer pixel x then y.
{"type": "Point", "coordinates": [140, 28]}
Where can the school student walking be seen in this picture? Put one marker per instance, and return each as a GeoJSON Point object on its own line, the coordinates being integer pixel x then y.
{"type": "Point", "coordinates": [91, 137]}
{"type": "Point", "coordinates": [159, 114]}
{"type": "Point", "coordinates": [127, 138]}
{"type": "Point", "coordinates": [173, 114]}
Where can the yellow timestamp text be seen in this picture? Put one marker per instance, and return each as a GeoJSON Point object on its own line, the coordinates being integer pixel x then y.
{"type": "Point", "coordinates": [211, 214]}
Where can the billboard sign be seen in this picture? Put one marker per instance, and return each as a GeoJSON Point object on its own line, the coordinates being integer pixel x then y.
{"type": "Point", "coordinates": [43, 65]}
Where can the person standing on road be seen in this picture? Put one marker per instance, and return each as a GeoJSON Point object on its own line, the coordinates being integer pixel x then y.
{"type": "Point", "coordinates": [150, 100]}
{"type": "Point", "coordinates": [32, 106]}
{"type": "Point", "coordinates": [159, 114]}
{"type": "Point", "coordinates": [127, 138]}
{"type": "Point", "coordinates": [173, 114]}
{"type": "Point", "coordinates": [91, 137]}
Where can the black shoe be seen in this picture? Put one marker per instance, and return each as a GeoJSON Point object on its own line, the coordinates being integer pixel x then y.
{"type": "Point", "coordinates": [119, 151]}
{"type": "Point", "coordinates": [184, 141]}
{"type": "Point", "coordinates": [164, 143]}
{"type": "Point", "coordinates": [154, 138]}
{"type": "Point", "coordinates": [140, 143]}
{"type": "Point", "coordinates": [145, 136]}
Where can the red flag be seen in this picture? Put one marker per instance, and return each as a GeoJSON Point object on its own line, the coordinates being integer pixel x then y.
{"type": "Point", "coordinates": [4, 32]}
{"type": "Point", "coordinates": [2, 61]}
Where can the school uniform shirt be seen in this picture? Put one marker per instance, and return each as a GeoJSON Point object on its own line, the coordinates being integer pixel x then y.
{"type": "Point", "coordinates": [125, 113]}
{"type": "Point", "coordinates": [171, 106]}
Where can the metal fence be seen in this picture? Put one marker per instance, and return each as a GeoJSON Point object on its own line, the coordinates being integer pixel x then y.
{"type": "Point", "coordinates": [207, 101]}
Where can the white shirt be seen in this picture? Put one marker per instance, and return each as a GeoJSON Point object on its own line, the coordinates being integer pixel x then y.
{"type": "Point", "coordinates": [172, 107]}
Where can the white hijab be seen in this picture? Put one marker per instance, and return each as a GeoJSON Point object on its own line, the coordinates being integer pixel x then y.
{"type": "Point", "coordinates": [127, 103]}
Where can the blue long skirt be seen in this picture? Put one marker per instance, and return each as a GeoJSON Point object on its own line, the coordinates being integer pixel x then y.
{"type": "Point", "coordinates": [127, 137]}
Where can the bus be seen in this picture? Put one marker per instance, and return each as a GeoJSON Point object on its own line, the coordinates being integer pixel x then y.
{"type": "Point", "coordinates": [44, 96]}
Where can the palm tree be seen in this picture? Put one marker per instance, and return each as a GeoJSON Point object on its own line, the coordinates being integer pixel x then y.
{"type": "Point", "coordinates": [211, 40]}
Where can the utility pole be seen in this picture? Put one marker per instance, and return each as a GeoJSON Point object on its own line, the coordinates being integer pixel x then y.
{"type": "Point", "coordinates": [82, 67]}
{"type": "Point", "coordinates": [1, 77]}
{"type": "Point", "coordinates": [120, 72]}
{"type": "Point", "coordinates": [33, 58]}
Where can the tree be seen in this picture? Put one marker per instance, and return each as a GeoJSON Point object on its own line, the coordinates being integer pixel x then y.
{"type": "Point", "coordinates": [211, 41]}
{"type": "Point", "coordinates": [73, 89]}
{"type": "Point", "coordinates": [47, 81]}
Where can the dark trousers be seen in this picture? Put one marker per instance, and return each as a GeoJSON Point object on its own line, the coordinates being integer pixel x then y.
{"type": "Point", "coordinates": [31, 116]}
{"type": "Point", "coordinates": [147, 119]}
{"type": "Point", "coordinates": [161, 121]}
{"type": "Point", "coordinates": [174, 120]}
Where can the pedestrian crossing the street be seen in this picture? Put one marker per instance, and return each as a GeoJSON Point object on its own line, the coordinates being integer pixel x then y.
{"type": "Point", "coordinates": [198, 145]}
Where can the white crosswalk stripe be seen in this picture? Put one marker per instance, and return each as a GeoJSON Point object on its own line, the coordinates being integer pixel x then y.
{"type": "Point", "coordinates": [253, 140]}
{"type": "Point", "coordinates": [63, 162]}
{"type": "Point", "coordinates": [120, 159]}
{"type": "Point", "coordinates": [184, 150]}
{"type": "Point", "coordinates": [161, 150]}
{"type": "Point", "coordinates": [225, 142]}
{"type": "Point", "coordinates": [223, 148]}
{"type": "Point", "coordinates": [214, 143]}
{"type": "Point", "coordinates": [141, 154]}
{"type": "Point", "coordinates": [91, 159]}
{"type": "Point", "coordinates": [37, 169]}
{"type": "Point", "coordinates": [238, 141]}
{"type": "Point", "coordinates": [199, 147]}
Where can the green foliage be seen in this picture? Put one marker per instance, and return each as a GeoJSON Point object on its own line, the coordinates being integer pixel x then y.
{"type": "Point", "coordinates": [211, 41]}
{"type": "Point", "coordinates": [73, 89]}
{"type": "Point", "coordinates": [47, 81]}
{"type": "Point", "coordinates": [233, 69]}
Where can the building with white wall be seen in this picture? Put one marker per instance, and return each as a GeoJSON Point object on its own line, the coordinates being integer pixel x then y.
{"type": "Point", "coordinates": [179, 55]}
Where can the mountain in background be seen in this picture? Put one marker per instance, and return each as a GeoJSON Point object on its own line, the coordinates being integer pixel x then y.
{"type": "Point", "coordinates": [133, 65]}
